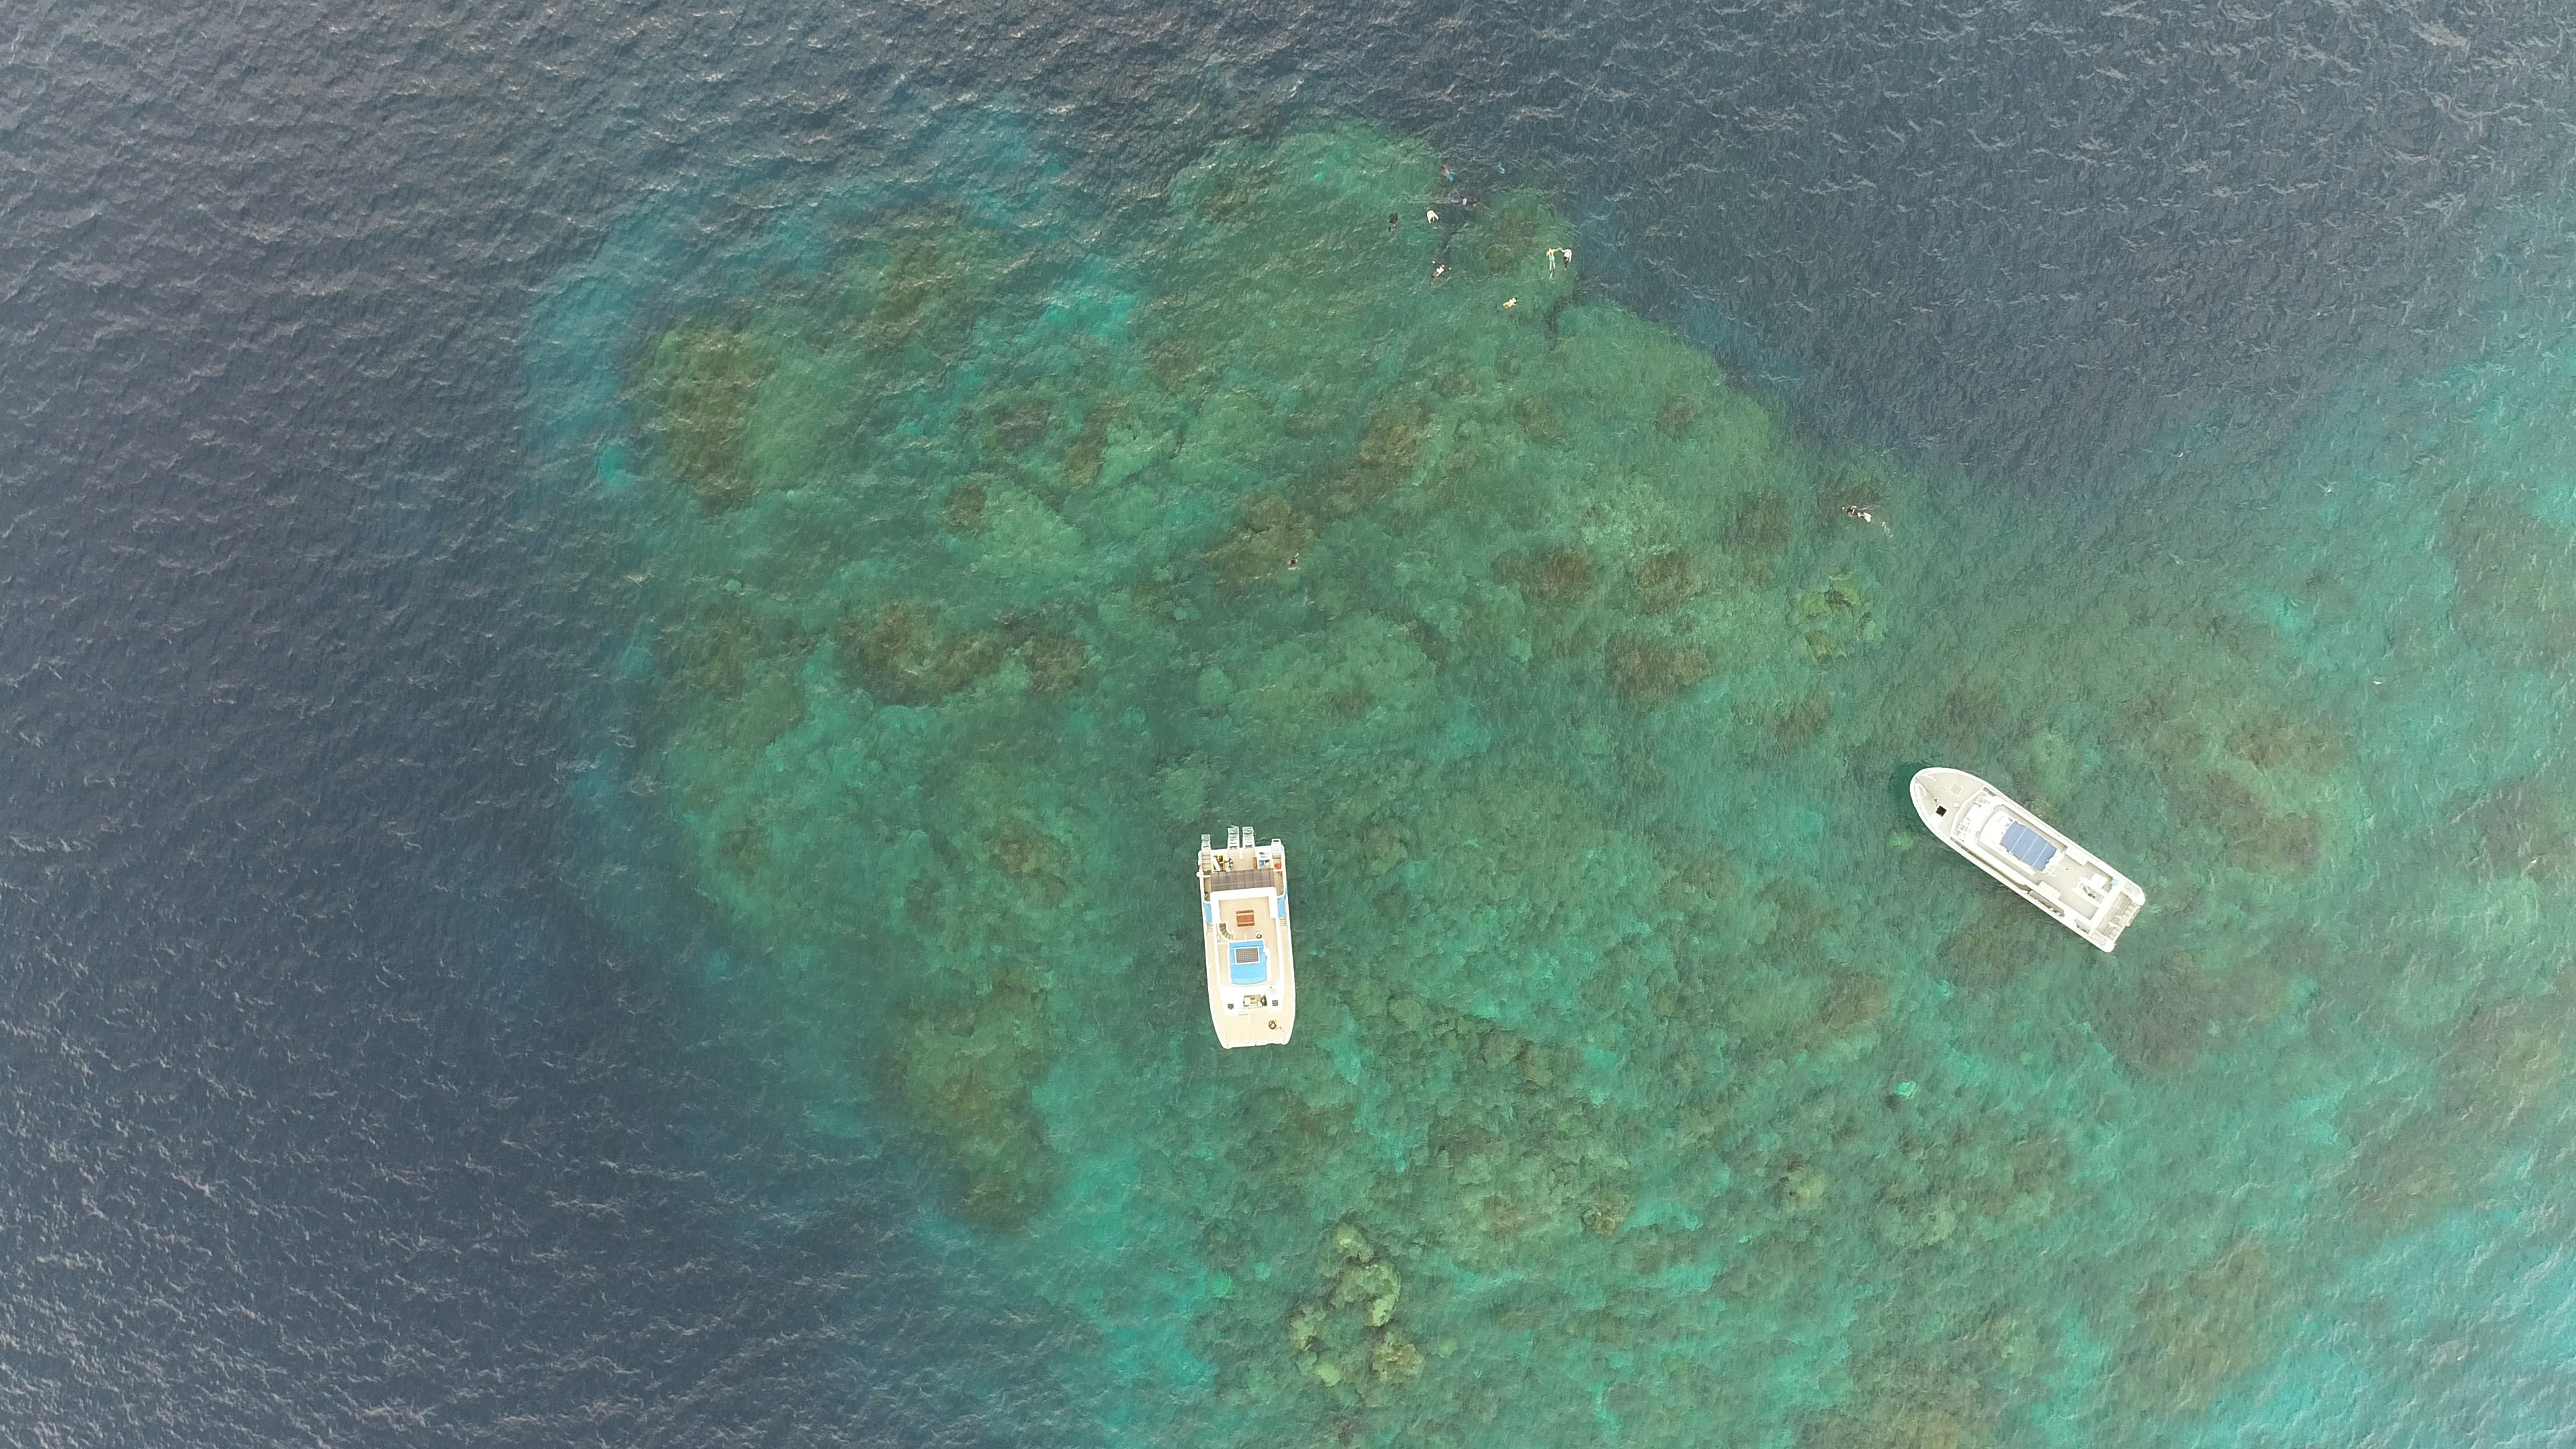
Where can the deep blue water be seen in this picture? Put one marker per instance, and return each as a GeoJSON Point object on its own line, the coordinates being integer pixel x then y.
{"type": "Point", "coordinates": [337, 1114]}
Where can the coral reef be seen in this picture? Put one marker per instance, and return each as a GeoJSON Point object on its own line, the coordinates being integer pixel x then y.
{"type": "Point", "coordinates": [1345, 1336]}
{"type": "Point", "coordinates": [2426, 1144]}
{"type": "Point", "coordinates": [2195, 1332]}
{"type": "Point", "coordinates": [1656, 1081]}
{"type": "Point", "coordinates": [959, 1073]}
{"type": "Point", "coordinates": [2165, 1014]}
{"type": "Point", "coordinates": [2511, 589]}
{"type": "Point", "coordinates": [700, 382]}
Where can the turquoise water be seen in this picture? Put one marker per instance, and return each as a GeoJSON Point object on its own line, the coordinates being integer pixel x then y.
{"type": "Point", "coordinates": [1656, 1080]}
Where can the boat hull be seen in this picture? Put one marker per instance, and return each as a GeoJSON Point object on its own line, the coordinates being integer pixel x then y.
{"type": "Point", "coordinates": [2032, 858]}
{"type": "Point", "coordinates": [1251, 943]}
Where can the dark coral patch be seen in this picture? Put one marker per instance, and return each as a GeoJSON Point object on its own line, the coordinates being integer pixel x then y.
{"type": "Point", "coordinates": [962, 512]}
{"type": "Point", "coordinates": [960, 1070]}
{"type": "Point", "coordinates": [1665, 580]}
{"type": "Point", "coordinates": [900, 655]}
{"type": "Point", "coordinates": [2501, 1070]}
{"type": "Point", "coordinates": [1675, 419]}
{"type": "Point", "coordinates": [1763, 524]}
{"type": "Point", "coordinates": [2006, 940]}
{"type": "Point", "coordinates": [2518, 827]}
{"type": "Point", "coordinates": [1085, 454]}
{"type": "Point", "coordinates": [1502, 236]}
{"type": "Point", "coordinates": [1647, 672]}
{"type": "Point", "coordinates": [1541, 420]}
{"type": "Point", "coordinates": [2279, 743]}
{"type": "Point", "coordinates": [1236, 192]}
{"type": "Point", "coordinates": [1056, 661]}
{"type": "Point", "coordinates": [2513, 590]}
{"type": "Point", "coordinates": [698, 388]}
{"type": "Point", "coordinates": [1021, 425]}
{"type": "Point", "coordinates": [1391, 448]}
{"type": "Point", "coordinates": [1803, 720]}
{"type": "Point", "coordinates": [1030, 855]}
{"type": "Point", "coordinates": [2194, 1334]}
{"type": "Point", "coordinates": [734, 674]}
{"type": "Point", "coordinates": [1856, 1000]}
{"type": "Point", "coordinates": [2165, 1016]}
{"type": "Point", "coordinates": [2256, 833]}
{"type": "Point", "coordinates": [1967, 711]}
{"type": "Point", "coordinates": [1549, 577]}
{"type": "Point", "coordinates": [1267, 535]}
{"type": "Point", "coordinates": [924, 281]}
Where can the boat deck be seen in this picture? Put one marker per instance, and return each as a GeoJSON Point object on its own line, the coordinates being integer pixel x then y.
{"type": "Point", "coordinates": [1251, 953]}
{"type": "Point", "coordinates": [2075, 881]}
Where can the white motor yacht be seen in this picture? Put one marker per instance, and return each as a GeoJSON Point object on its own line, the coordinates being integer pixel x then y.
{"type": "Point", "coordinates": [2029, 855]}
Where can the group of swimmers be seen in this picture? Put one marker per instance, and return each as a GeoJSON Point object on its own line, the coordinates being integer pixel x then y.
{"type": "Point", "coordinates": [1464, 203]}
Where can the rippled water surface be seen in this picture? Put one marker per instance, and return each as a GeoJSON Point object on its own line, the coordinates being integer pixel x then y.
{"type": "Point", "coordinates": [620, 621]}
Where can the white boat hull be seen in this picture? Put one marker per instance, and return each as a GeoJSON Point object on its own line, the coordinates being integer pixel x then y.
{"type": "Point", "coordinates": [2031, 857]}
{"type": "Point", "coordinates": [1251, 951]}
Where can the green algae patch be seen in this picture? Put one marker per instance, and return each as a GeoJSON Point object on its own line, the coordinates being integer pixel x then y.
{"type": "Point", "coordinates": [1645, 1088]}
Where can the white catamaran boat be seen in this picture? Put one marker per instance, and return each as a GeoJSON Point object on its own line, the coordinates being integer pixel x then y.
{"type": "Point", "coordinates": [2028, 854]}
{"type": "Point", "coordinates": [1251, 965]}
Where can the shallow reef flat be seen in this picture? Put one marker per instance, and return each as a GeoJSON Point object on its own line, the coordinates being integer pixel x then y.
{"type": "Point", "coordinates": [1655, 1082]}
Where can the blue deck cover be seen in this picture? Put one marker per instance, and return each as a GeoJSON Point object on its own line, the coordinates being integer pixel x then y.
{"type": "Point", "coordinates": [2027, 845]}
{"type": "Point", "coordinates": [1249, 962]}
